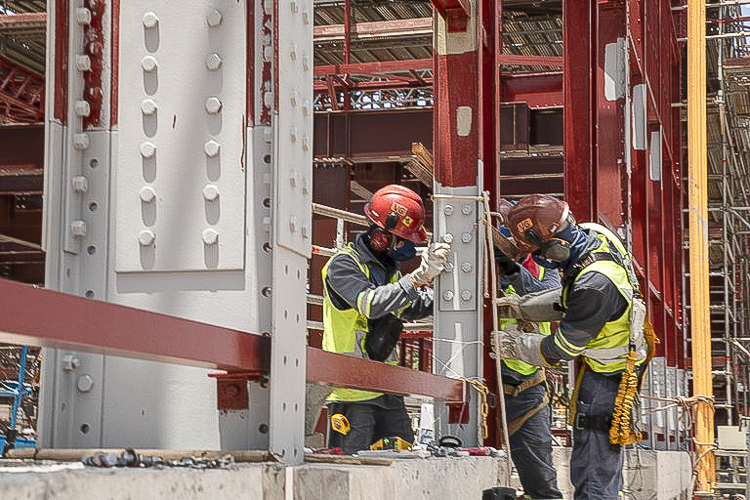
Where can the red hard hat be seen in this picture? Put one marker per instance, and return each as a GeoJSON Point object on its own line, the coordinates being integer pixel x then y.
{"type": "Point", "coordinates": [407, 209]}
{"type": "Point", "coordinates": [536, 219]}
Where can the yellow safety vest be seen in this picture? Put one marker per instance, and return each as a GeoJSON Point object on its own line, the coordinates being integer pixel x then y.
{"type": "Point", "coordinates": [608, 352]}
{"type": "Point", "coordinates": [545, 328]}
{"type": "Point", "coordinates": [344, 331]}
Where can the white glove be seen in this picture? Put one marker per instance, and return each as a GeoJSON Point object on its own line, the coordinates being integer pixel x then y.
{"type": "Point", "coordinates": [433, 263]}
{"type": "Point", "coordinates": [515, 344]}
{"type": "Point", "coordinates": [537, 306]}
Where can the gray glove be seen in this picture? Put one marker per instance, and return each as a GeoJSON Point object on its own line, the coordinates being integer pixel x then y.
{"type": "Point", "coordinates": [515, 344]}
{"type": "Point", "coordinates": [433, 263]}
{"type": "Point", "coordinates": [535, 307]}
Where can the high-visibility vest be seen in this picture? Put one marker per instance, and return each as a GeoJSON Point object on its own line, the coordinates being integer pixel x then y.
{"type": "Point", "coordinates": [545, 328]}
{"type": "Point", "coordinates": [344, 330]}
{"type": "Point", "coordinates": [607, 353]}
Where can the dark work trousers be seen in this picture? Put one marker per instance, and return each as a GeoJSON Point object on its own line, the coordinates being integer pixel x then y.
{"type": "Point", "coordinates": [531, 445]}
{"type": "Point", "coordinates": [595, 463]}
{"type": "Point", "coordinates": [370, 421]}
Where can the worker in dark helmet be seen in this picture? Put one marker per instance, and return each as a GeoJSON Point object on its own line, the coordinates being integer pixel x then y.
{"type": "Point", "coordinates": [601, 322]}
{"type": "Point", "coordinates": [525, 385]}
{"type": "Point", "coordinates": [365, 299]}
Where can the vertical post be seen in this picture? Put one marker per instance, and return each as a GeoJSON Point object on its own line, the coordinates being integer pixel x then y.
{"type": "Point", "coordinates": [18, 398]}
{"type": "Point", "coordinates": [698, 225]}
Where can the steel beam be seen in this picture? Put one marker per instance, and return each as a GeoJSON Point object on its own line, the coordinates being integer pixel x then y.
{"type": "Point", "coordinates": [538, 90]}
{"type": "Point", "coordinates": [392, 28]}
{"type": "Point", "coordinates": [71, 322]}
{"type": "Point", "coordinates": [372, 68]}
{"type": "Point", "coordinates": [525, 60]}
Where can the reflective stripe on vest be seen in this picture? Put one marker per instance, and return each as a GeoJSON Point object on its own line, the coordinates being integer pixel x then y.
{"type": "Point", "coordinates": [607, 353]}
{"type": "Point", "coordinates": [344, 330]}
{"type": "Point", "coordinates": [544, 328]}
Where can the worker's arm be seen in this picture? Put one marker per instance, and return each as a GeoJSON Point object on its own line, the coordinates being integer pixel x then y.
{"type": "Point", "coordinates": [524, 282]}
{"type": "Point", "coordinates": [350, 284]}
{"type": "Point", "coordinates": [592, 301]}
{"type": "Point", "coordinates": [421, 307]}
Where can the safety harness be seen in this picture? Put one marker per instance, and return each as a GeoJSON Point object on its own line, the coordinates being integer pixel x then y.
{"type": "Point", "coordinates": [540, 377]}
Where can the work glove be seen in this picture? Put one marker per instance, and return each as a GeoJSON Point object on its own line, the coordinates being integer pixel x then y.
{"type": "Point", "coordinates": [536, 307]}
{"type": "Point", "coordinates": [507, 266]}
{"type": "Point", "coordinates": [514, 344]}
{"type": "Point", "coordinates": [433, 263]}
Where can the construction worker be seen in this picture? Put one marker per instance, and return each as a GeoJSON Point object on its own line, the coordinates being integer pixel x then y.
{"type": "Point", "coordinates": [365, 299]}
{"type": "Point", "coordinates": [525, 387]}
{"type": "Point", "coordinates": [602, 323]}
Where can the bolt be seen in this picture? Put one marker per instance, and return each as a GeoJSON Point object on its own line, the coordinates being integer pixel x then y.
{"type": "Point", "coordinates": [306, 16]}
{"type": "Point", "coordinates": [448, 267]}
{"type": "Point", "coordinates": [78, 228]}
{"type": "Point", "coordinates": [213, 105]}
{"type": "Point", "coordinates": [267, 53]}
{"type": "Point", "coordinates": [210, 192]}
{"type": "Point", "coordinates": [80, 141]}
{"type": "Point", "coordinates": [95, 48]}
{"type": "Point", "coordinates": [70, 362]}
{"type": "Point", "coordinates": [146, 237]}
{"type": "Point", "coordinates": [211, 148]}
{"type": "Point", "coordinates": [294, 98]}
{"type": "Point", "coordinates": [293, 52]}
{"type": "Point", "coordinates": [85, 383]}
{"type": "Point", "coordinates": [213, 61]}
{"type": "Point", "coordinates": [448, 295]}
{"type": "Point", "coordinates": [148, 149]}
{"type": "Point", "coordinates": [304, 231]}
{"type": "Point", "coordinates": [466, 267]}
{"type": "Point", "coordinates": [147, 194]}
{"type": "Point", "coordinates": [466, 237]}
{"type": "Point", "coordinates": [210, 236]}
{"type": "Point", "coordinates": [465, 295]}
{"type": "Point", "coordinates": [294, 6]}
{"type": "Point", "coordinates": [82, 108]}
{"type": "Point", "coordinates": [448, 238]}
{"type": "Point", "coordinates": [83, 16]}
{"type": "Point", "coordinates": [83, 63]}
{"type": "Point", "coordinates": [448, 210]}
{"type": "Point", "coordinates": [293, 178]}
{"type": "Point", "coordinates": [293, 224]}
{"type": "Point", "coordinates": [293, 133]}
{"type": "Point", "coordinates": [149, 63]}
{"type": "Point", "coordinates": [466, 209]}
{"type": "Point", "coordinates": [306, 62]}
{"type": "Point", "coordinates": [305, 143]}
{"type": "Point", "coordinates": [213, 18]}
{"type": "Point", "coordinates": [267, 224]}
{"type": "Point", "coordinates": [150, 20]}
{"type": "Point", "coordinates": [305, 185]}
{"type": "Point", "coordinates": [80, 184]}
{"type": "Point", "coordinates": [268, 100]}
{"type": "Point", "coordinates": [148, 106]}
{"type": "Point", "coordinates": [306, 108]}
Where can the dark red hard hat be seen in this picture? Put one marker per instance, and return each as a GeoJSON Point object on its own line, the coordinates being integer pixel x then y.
{"type": "Point", "coordinates": [407, 209]}
{"type": "Point", "coordinates": [536, 218]}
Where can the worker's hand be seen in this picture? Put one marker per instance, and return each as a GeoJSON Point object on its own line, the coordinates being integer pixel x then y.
{"type": "Point", "coordinates": [433, 263]}
{"type": "Point", "coordinates": [537, 307]}
{"type": "Point", "coordinates": [515, 344]}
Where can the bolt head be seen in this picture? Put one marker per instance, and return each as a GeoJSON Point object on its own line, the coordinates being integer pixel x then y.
{"type": "Point", "coordinates": [293, 134]}
{"type": "Point", "coordinates": [293, 178]}
{"type": "Point", "coordinates": [150, 20]}
{"type": "Point", "coordinates": [466, 237]}
{"type": "Point", "coordinates": [305, 143]}
{"type": "Point", "coordinates": [293, 224]}
{"type": "Point", "coordinates": [211, 148]}
{"type": "Point", "coordinates": [293, 52]}
{"type": "Point", "coordinates": [80, 141]}
{"type": "Point", "coordinates": [210, 192]}
{"type": "Point", "coordinates": [306, 108]}
{"type": "Point", "coordinates": [148, 106]}
{"type": "Point", "coordinates": [466, 209]}
{"type": "Point", "coordinates": [213, 61]}
{"type": "Point", "coordinates": [294, 98]}
{"type": "Point", "coordinates": [80, 184]}
{"type": "Point", "coordinates": [83, 16]}
{"type": "Point", "coordinates": [306, 62]}
{"type": "Point", "coordinates": [448, 238]}
{"type": "Point", "coordinates": [149, 63]}
{"type": "Point", "coordinates": [466, 267]}
{"type": "Point", "coordinates": [448, 210]}
{"type": "Point", "coordinates": [83, 63]}
{"type": "Point", "coordinates": [465, 295]}
{"type": "Point", "coordinates": [148, 149]}
{"type": "Point", "coordinates": [210, 236]}
{"type": "Point", "coordinates": [78, 228]}
{"type": "Point", "coordinates": [82, 108]}
{"type": "Point", "coordinates": [306, 16]}
{"type": "Point", "coordinates": [85, 383]}
{"type": "Point", "coordinates": [213, 105]}
{"type": "Point", "coordinates": [147, 194]}
{"type": "Point", "coordinates": [304, 231]}
{"type": "Point", "coordinates": [213, 18]}
{"type": "Point", "coordinates": [293, 6]}
{"type": "Point", "coordinates": [146, 237]}
{"type": "Point", "coordinates": [448, 295]}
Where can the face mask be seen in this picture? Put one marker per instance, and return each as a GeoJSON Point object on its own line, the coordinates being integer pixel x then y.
{"type": "Point", "coordinates": [405, 252]}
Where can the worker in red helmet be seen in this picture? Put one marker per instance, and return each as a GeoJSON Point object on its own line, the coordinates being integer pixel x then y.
{"type": "Point", "coordinates": [601, 322]}
{"type": "Point", "coordinates": [365, 300]}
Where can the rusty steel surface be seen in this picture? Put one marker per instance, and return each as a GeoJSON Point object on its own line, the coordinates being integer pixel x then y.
{"type": "Point", "coordinates": [21, 93]}
{"type": "Point", "coordinates": [347, 371]}
{"type": "Point", "coordinates": [35, 316]}
{"type": "Point", "coordinates": [61, 68]}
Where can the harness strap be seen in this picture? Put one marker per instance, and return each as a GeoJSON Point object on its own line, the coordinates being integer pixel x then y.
{"type": "Point", "coordinates": [516, 424]}
{"type": "Point", "coordinates": [594, 422]}
{"type": "Point", "coordinates": [515, 390]}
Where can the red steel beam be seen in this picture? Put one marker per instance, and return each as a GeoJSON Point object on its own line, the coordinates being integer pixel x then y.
{"type": "Point", "coordinates": [538, 90]}
{"type": "Point", "coordinates": [412, 26]}
{"type": "Point", "coordinates": [26, 20]}
{"type": "Point", "coordinates": [524, 60]}
{"type": "Point", "coordinates": [347, 371]}
{"type": "Point", "coordinates": [374, 67]}
{"type": "Point", "coordinates": [455, 12]}
{"type": "Point", "coordinates": [34, 316]}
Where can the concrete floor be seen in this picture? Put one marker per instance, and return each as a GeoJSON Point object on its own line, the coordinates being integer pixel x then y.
{"type": "Point", "coordinates": [649, 474]}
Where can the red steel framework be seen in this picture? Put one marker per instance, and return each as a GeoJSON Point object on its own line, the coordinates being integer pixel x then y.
{"type": "Point", "coordinates": [21, 93]}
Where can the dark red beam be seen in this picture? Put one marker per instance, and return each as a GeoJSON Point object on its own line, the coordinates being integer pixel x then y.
{"type": "Point", "coordinates": [347, 371]}
{"type": "Point", "coordinates": [523, 60]}
{"type": "Point", "coordinates": [455, 12]}
{"type": "Point", "coordinates": [396, 27]}
{"type": "Point", "coordinates": [538, 90]}
{"type": "Point", "coordinates": [35, 316]}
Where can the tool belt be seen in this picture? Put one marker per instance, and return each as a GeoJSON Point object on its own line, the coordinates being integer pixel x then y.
{"type": "Point", "coordinates": [598, 423]}
{"type": "Point", "coordinates": [514, 390]}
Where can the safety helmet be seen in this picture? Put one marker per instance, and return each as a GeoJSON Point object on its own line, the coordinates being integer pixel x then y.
{"type": "Point", "coordinates": [536, 219]}
{"type": "Point", "coordinates": [399, 211]}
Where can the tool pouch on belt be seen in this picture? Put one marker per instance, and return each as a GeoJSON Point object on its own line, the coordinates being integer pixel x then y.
{"type": "Point", "coordinates": [382, 336]}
